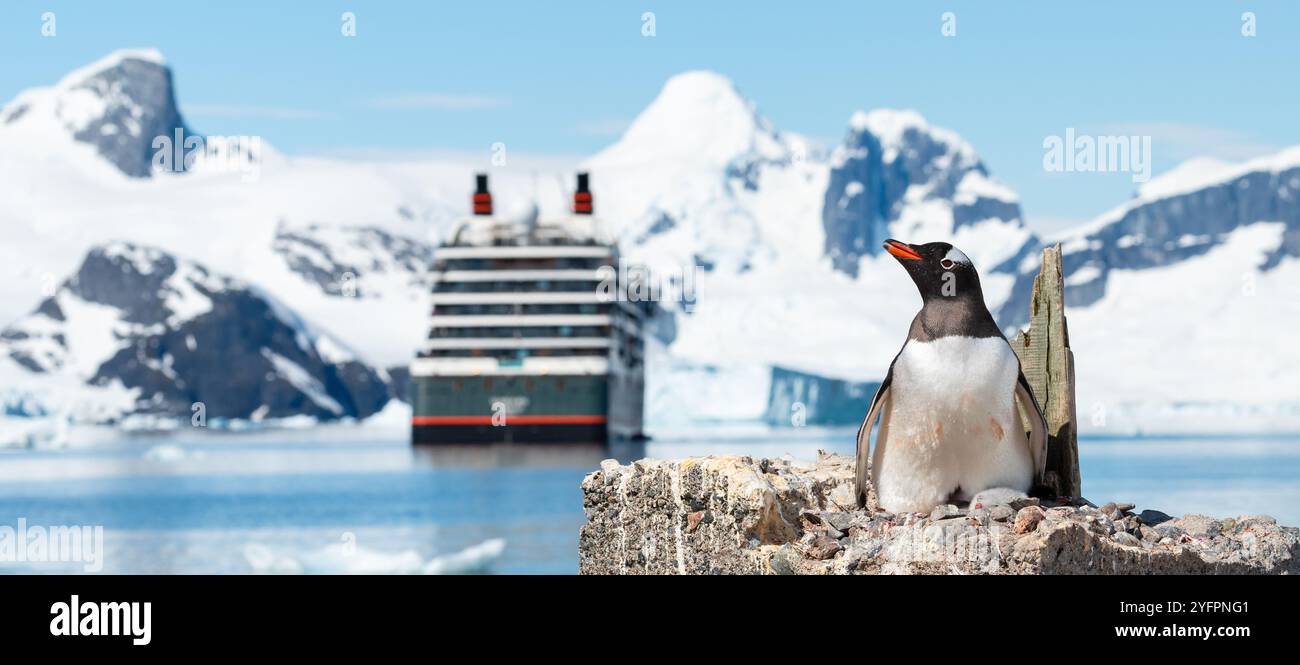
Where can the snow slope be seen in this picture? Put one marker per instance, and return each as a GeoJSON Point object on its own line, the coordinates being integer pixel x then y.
{"type": "Point", "coordinates": [702, 182]}
{"type": "Point", "coordinates": [62, 197]}
{"type": "Point", "coordinates": [136, 332]}
{"type": "Point", "coordinates": [701, 185]}
{"type": "Point", "coordinates": [778, 237]}
{"type": "Point", "coordinates": [1182, 302]}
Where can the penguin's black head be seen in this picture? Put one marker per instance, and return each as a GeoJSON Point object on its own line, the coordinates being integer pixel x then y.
{"type": "Point", "coordinates": [939, 270]}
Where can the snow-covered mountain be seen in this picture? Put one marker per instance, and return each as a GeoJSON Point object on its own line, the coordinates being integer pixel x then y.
{"type": "Point", "coordinates": [785, 239]}
{"type": "Point", "coordinates": [777, 239]}
{"type": "Point", "coordinates": [897, 176]}
{"type": "Point", "coordinates": [1183, 302]}
{"type": "Point", "coordinates": [702, 187]}
{"type": "Point", "coordinates": [367, 223]}
{"type": "Point", "coordinates": [150, 335]}
{"type": "Point", "coordinates": [115, 107]}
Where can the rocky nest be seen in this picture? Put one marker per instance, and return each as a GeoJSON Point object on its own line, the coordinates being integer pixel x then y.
{"type": "Point", "coordinates": [745, 515]}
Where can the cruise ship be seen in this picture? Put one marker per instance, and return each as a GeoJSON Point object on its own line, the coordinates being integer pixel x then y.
{"type": "Point", "coordinates": [532, 339]}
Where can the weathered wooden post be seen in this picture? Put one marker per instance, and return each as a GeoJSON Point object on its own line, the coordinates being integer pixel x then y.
{"type": "Point", "coordinates": [1048, 364]}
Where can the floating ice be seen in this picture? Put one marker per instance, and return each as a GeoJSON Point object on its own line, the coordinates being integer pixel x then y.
{"type": "Point", "coordinates": [348, 558]}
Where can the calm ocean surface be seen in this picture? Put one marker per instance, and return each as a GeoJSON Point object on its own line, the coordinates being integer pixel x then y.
{"type": "Point", "coordinates": [366, 502]}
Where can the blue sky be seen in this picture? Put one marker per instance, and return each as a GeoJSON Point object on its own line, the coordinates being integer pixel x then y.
{"type": "Point", "coordinates": [563, 78]}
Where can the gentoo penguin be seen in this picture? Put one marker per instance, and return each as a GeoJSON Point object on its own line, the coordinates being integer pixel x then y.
{"type": "Point", "coordinates": [949, 427]}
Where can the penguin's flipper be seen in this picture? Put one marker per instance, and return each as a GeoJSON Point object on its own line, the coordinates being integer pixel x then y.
{"type": "Point", "coordinates": [864, 438]}
{"type": "Point", "coordinates": [1037, 426]}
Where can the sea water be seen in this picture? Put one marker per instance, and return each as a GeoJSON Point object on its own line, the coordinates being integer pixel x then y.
{"type": "Point", "coordinates": [302, 502]}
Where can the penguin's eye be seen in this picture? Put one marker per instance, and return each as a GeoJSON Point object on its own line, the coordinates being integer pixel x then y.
{"type": "Point", "coordinates": [947, 264]}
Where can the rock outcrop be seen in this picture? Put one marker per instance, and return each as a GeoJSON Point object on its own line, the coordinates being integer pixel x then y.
{"type": "Point", "coordinates": [740, 515]}
{"type": "Point", "coordinates": [154, 335]}
{"type": "Point", "coordinates": [1177, 220]}
{"type": "Point", "coordinates": [893, 170]}
{"type": "Point", "coordinates": [120, 105]}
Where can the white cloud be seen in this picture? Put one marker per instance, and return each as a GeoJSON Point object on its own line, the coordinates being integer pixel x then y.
{"type": "Point", "coordinates": [1179, 141]}
{"type": "Point", "coordinates": [240, 111]}
{"type": "Point", "coordinates": [469, 159]}
{"type": "Point", "coordinates": [437, 101]}
{"type": "Point", "coordinates": [604, 127]}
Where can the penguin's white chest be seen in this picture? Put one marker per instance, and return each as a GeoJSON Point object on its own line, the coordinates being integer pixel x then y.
{"type": "Point", "coordinates": [956, 377]}
{"type": "Point", "coordinates": [952, 428]}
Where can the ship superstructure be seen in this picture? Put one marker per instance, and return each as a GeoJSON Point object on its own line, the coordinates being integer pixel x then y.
{"type": "Point", "coordinates": [532, 337]}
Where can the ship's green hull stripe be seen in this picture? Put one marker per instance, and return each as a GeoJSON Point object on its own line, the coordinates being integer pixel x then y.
{"type": "Point", "coordinates": [510, 395]}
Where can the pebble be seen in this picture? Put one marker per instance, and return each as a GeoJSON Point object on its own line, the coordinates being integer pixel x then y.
{"type": "Point", "coordinates": [1169, 531]}
{"type": "Point", "coordinates": [814, 519]}
{"type": "Point", "coordinates": [821, 522]}
{"type": "Point", "coordinates": [1125, 538]}
{"type": "Point", "coordinates": [1001, 513]}
{"type": "Point", "coordinates": [862, 522]}
{"type": "Point", "coordinates": [944, 512]}
{"type": "Point", "coordinates": [1027, 519]}
{"type": "Point", "coordinates": [1153, 517]}
{"type": "Point", "coordinates": [838, 521]}
{"type": "Point", "coordinates": [1059, 513]}
{"type": "Point", "coordinates": [852, 557]}
{"type": "Point", "coordinates": [1199, 525]}
{"type": "Point", "coordinates": [1018, 504]}
{"type": "Point", "coordinates": [783, 561]}
{"type": "Point", "coordinates": [823, 548]}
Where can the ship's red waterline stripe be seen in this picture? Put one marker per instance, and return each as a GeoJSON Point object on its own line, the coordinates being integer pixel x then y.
{"type": "Point", "coordinates": [510, 420]}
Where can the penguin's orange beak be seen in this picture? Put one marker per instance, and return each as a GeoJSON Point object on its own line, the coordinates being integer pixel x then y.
{"type": "Point", "coordinates": [901, 250]}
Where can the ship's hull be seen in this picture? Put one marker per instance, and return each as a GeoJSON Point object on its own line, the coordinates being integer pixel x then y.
{"type": "Point", "coordinates": [562, 433]}
{"type": "Point", "coordinates": [579, 409]}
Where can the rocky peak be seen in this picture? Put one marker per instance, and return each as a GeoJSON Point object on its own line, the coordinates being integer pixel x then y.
{"type": "Point", "coordinates": [140, 281]}
{"type": "Point", "coordinates": [118, 104]}
{"type": "Point", "coordinates": [155, 334]}
{"type": "Point", "coordinates": [891, 160]}
{"type": "Point", "coordinates": [1180, 215]}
